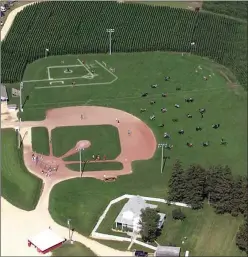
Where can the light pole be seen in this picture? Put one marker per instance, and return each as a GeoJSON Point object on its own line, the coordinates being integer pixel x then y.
{"type": "Point", "coordinates": [162, 145]}
{"type": "Point", "coordinates": [80, 160]}
{"type": "Point", "coordinates": [110, 31]}
{"type": "Point", "coordinates": [21, 87]}
{"type": "Point", "coordinates": [19, 133]}
{"type": "Point", "coordinates": [69, 227]}
{"type": "Point", "coordinates": [192, 45]}
{"type": "Point", "coordinates": [46, 52]}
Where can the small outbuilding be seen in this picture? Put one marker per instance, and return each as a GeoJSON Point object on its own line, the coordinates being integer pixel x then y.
{"type": "Point", "coordinates": [4, 95]}
{"type": "Point", "coordinates": [170, 251]}
{"type": "Point", "coordinates": [46, 241]}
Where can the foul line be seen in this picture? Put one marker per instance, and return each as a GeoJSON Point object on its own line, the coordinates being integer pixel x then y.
{"type": "Point", "coordinates": [86, 68]}
{"type": "Point", "coordinates": [78, 85]}
{"type": "Point", "coordinates": [106, 69]}
{"type": "Point", "coordinates": [48, 73]}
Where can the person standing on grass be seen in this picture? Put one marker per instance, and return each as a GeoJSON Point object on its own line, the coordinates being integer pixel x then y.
{"type": "Point", "coordinates": [104, 157]}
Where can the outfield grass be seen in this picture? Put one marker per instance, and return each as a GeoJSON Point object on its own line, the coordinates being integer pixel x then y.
{"type": "Point", "coordinates": [75, 249]}
{"type": "Point", "coordinates": [19, 187]}
{"type": "Point", "coordinates": [104, 141]}
{"type": "Point", "coordinates": [40, 140]}
{"type": "Point", "coordinates": [96, 166]}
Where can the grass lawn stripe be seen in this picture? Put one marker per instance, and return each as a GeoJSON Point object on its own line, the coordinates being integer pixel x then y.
{"type": "Point", "coordinates": [96, 166]}
{"type": "Point", "coordinates": [40, 140]}
{"type": "Point", "coordinates": [19, 187]}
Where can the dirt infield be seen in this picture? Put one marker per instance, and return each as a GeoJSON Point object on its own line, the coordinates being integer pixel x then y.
{"type": "Point", "coordinates": [139, 145]}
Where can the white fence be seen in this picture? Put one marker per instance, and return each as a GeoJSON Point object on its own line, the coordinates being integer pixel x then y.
{"type": "Point", "coordinates": [97, 235]}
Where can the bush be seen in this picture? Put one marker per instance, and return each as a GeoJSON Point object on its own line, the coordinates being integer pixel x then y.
{"type": "Point", "coordinates": [177, 214]}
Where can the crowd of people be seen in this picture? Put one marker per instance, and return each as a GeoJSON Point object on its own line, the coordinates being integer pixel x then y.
{"type": "Point", "coordinates": [202, 112]}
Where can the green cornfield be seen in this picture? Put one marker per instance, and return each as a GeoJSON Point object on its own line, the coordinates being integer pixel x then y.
{"type": "Point", "coordinates": [80, 27]}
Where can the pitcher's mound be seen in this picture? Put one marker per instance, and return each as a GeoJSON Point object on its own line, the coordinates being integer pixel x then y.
{"type": "Point", "coordinates": [83, 144]}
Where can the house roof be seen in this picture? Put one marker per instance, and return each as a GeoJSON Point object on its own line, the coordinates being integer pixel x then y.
{"type": "Point", "coordinates": [3, 91]}
{"type": "Point", "coordinates": [46, 239]}
{"type": "Point", "coordinates": [130, 213]}
{"type": "Point", "coordinates": [167, 251]}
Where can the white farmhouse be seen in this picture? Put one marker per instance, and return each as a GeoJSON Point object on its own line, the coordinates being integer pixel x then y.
{"type": "Point", "coordinates": [129, 217]}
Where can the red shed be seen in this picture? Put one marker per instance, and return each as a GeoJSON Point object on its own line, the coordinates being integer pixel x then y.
{"type": "Point", "coordinates": [46, 241]}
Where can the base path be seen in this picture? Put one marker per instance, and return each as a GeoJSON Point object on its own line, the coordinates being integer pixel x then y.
{"type": "Point", "coordinates": [139, 145]}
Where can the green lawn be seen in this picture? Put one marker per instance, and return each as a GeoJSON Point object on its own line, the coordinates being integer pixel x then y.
{"type": "Point", "coordinates": [75, 249]}
{"type": "Point", "coordinates": [96, 166]}
{"type": "Point", "coordinates": [200, 226]}
{"type": "Point", "coordinates": [40, 140]}
{"type": "Point", "coordinates": [104, 141]}
{"type": "Point", "coordinates": [19, 187]}
{"type": "Point", "coordinates": [202, 229]}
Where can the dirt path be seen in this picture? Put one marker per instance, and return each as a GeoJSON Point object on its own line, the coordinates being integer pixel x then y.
{"type": "Point", "coordinates": [140, 145]}
{"type": "Point", "coordinates": [10, 19]}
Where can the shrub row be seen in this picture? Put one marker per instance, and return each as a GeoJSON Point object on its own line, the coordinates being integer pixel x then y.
{"type": "Point", "coordinates": [80, 27]}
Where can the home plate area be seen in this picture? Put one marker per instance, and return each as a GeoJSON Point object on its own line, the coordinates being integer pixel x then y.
{"type": "Point", "coordinates": [82, 73]}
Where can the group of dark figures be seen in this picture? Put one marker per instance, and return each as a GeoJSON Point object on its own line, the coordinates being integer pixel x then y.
{"type": "Point", "coordinates": [180, 132]}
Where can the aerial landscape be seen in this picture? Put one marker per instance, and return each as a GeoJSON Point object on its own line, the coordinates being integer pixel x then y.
{"type": "Point", "coordinates": [124, 128]}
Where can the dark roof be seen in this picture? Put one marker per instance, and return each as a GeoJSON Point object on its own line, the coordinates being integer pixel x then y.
{"type": "Point", "coordinates": [167, 251]}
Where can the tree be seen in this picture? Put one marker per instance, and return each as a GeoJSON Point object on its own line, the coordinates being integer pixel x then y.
{"type": "Point", "coordinates": [195, 180]}
{"type": "Point", "coordinates": [237, 196]}
{"type": "Point", "coordinates": [149, 224]}
{"type": "Point", "coordinates": [177, 214]}
{"type": "Point", "coordinates": [176, 183]}
{"type": "Point", "coordinates": [244, 203]}
{"type": "Point", "coordinates": [242, 237]}
{"type": "Point", "coordinates": [219, 186]}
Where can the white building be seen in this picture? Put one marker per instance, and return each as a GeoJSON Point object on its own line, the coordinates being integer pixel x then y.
{"type": "Point", "coordinates": [170, 251]}
{"type": "Point", "coordinates": [4, 96]}
{"type": "Point", "coordinates": [129, 217]}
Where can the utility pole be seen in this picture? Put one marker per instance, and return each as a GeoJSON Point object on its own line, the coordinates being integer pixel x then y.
{"type": "Point", "coordinates": [110, 31]}
{"type": "Point", "coordinates": [162, 145]}
{"type": "Point", "coordinates": [21, 87]}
